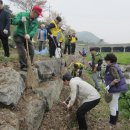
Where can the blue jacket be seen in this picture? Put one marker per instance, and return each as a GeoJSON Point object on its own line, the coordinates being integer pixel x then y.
{"type": "Point", "coordinates": [44, 34]}
{"type": "Point", "coordinates": [119, 87]}
{"type": "Point", "coordinates": [4, 21]}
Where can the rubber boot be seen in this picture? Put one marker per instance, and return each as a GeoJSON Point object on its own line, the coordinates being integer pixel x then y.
{"type": "Point", "coordinates": [113, 120]}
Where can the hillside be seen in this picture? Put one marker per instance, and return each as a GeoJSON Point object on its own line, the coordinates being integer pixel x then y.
{"type": "Point", "coordinates": [88, 37]}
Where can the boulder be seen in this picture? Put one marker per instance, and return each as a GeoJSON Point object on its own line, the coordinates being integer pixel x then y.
{"type": "Point", "coordinates": [46, 69]}
{"type": "Point", "coordinates": [11, 86]}
{"type": "Point", "coordinates": [8, 120]}
{"type": "Point", "coordinates": [51, 91]}
{"type": "Point", "coordinates": [40, 102]}
{"type": "Point", "coordinates": [34, 113]}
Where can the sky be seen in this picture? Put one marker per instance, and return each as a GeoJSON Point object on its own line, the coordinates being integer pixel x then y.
{"type": "Point", "coordinates": [107, 19]}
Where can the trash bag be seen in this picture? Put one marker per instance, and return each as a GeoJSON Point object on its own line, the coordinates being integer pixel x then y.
{"type": "Point", "coordinates": [58, 52]}
{"type": "Point", "coordinates": [42, 52]}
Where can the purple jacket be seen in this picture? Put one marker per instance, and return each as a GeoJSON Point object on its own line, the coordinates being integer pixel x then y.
{"type": "Point", "coordinates": [119, 87]}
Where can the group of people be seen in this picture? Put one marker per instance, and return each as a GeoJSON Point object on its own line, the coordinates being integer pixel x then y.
{"type": "Point", "coordinates": [89, 96]}
{"type": "Point", "coordinates": [57, 37]}
{"type": "Point", "coordinates": [86, 93]}
{"type": "Point", "coordinates": [53, 32]}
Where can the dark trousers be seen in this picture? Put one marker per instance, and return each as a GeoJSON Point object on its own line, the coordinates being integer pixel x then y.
{"type": "Point", "coordinates": [67, 46]}
{"type": "Point", "coordinates": [5, 44]}
{"type": "Point", "coordinates": [73, 46]}
{"type": "Point", "coordinates": [42, 45]}
{"type": "Point", "coordinates": [21, 48]}
{"type": "Point", "coordinates": [52, 46]}
{"type": "Point", "coordinates": [82, 110]}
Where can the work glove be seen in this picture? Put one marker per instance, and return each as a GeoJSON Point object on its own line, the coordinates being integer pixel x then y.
{"type": "Point", "coordinates": [23, 19]}
{"type": "Point", "coordinates": [27, 37]}
{"type": "Point", "coordinates": [108, 87]}
{"type": "Point", "coordinates": [5, 31]}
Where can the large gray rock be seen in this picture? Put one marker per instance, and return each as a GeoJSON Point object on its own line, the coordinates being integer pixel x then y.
{"type": "Point", "coordinates": [51, 91]}
{"type": "Point", "coordinates": [49, 67]}
{"type": "Point", "coordinates": [11, 86]}
{"type": "Point", "coordinates": [8, 120]}
{"type": "Point", "coordinates": [34, 113]}
{"type": "Point", "coordinates": [42, 100]}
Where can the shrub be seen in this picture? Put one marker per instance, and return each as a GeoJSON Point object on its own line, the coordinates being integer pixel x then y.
{"type": "Point", "coordinates": [124, 104]}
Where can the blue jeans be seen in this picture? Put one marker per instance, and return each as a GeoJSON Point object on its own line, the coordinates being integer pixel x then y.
{"type": "Point", "coordinates": [95, 79]}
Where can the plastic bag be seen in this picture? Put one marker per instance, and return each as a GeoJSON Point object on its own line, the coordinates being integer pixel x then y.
{"type": "Point", "coordinates": [58, 52]}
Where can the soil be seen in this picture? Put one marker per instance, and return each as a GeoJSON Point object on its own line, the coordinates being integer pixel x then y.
{"type": "Point", "coordinates": [59, 118]}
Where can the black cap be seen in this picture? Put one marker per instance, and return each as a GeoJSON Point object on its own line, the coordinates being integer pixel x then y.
{"type": "Point", "coordinates": [59, 18]}
{"type": "Point", "coordinates": [92, 49]}
{"type": "Point", "coordinates": [67, 76]}
{"type": "Point", "coordinates": [1, 1]}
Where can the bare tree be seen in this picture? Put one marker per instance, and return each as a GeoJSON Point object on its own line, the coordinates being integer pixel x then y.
{"type": "Point", "coordinates": [28, 4]}
{"type": "Point", "coordinates": [52, 16]}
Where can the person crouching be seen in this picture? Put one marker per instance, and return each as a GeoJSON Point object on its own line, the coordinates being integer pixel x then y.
{"type": "Point", "coordinates": [83, 91]}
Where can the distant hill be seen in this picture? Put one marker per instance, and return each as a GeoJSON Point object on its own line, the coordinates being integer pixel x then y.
{"type": "Point", "coordinates": [88, 37]}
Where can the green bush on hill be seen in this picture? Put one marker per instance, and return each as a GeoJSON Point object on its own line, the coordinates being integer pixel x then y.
{"type": "Point", "coordinates": [124, 104]}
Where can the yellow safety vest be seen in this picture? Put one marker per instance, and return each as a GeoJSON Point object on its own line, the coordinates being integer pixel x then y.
{"type": "Point", "coordinates": [61, 37]}
{"type": "Point", "coordinates": [54, 30]}
{"type": "Point", "coordinates": [79, 65]}
{"type": "Point", "coordinates": [73, 40]}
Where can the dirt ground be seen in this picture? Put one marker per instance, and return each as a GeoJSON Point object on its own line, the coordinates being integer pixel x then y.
{"type": "Point", "coordinates": [59, 118]}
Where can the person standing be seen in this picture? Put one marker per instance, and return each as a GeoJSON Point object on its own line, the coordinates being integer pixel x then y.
{"type": "Point", "coordinates": [96, 67]}
{"type": "Point", "coordinates": [30, 19]}
{"type": "Point", "coordinates": [42, 37]}
{"type": "Point", "coordinates": [52, 30]}
{"type": "Point", "coordinates": [85, 93]}
{"type": "Point", "coordinates": [61, 37]}
{"type": "Point", "coordinates": [4, 28]}
{"type": "Point", "coordinates": [67, 44]}
{"type": "Point", "coordinates": [115, 84]}
{"type": "Point", "coordinates": [73, 43]}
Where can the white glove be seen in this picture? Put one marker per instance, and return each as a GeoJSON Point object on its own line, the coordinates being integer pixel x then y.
{"type": "Point", "coordinates": [23, 19]}
{"type": "Point", "coordinates": [5, 31]}
{"type": "Point", "coordinates": [27, 37]}
{"type": "Point", "coordinates": [108, 87]}
{"type": "Point", "coordinates": [51, 36]}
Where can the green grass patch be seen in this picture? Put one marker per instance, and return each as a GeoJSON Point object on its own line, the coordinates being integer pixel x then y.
{"type": "Point", "coordinates": [122, 57]}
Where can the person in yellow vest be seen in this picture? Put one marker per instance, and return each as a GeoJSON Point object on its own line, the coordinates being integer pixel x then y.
{"type": "Point", "coordinates": [61, 37]}
{"type": "Point", "coordinates": [73, 43]}
{"type": "Point", "coordinates": [77, 70]}
{"type": "Point", "coordinates": [52, 30]}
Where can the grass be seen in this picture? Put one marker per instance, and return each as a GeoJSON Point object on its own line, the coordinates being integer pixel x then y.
{"type": "Point", "coordinates": [122, 57]}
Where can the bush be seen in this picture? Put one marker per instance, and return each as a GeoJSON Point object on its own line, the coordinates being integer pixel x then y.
{"type": "Point", "coordinates": [124, 104]}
